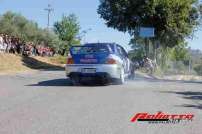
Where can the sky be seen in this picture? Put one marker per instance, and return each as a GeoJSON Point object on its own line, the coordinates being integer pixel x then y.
{"type": "Point", "coordinates": [85, 10]}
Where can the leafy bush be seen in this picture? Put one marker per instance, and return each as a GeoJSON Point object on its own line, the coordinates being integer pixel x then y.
{"type": "Point", "coordinates": [198, 69]}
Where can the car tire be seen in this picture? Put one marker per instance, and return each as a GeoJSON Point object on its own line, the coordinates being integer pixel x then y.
{"type": "Point", "coordinates": [105, 81]}
{"type": "Point", "coordinates": [121, 80]}
{"type": "Point", "coordinates": [75, 80]}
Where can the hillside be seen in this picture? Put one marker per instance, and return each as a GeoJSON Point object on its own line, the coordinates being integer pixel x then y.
{"type": "Point", "coordinates": [10, 63]}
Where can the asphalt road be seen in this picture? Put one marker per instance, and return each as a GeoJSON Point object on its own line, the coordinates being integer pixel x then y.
{"type": "Point", "coordinates": [45, 103]}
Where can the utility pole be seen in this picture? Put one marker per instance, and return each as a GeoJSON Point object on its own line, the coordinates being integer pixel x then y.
{"type": "Point", "coordinates": [83, 35]}
{"type": "Point", "coordinates": [49, 10]}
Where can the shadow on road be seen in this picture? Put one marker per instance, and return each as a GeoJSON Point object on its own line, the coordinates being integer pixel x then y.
{"type": "Point", "coordinates": [39, 65]}
{"type": "Point", "coordinates": [65, 82]}
{"type": "Point", "coordinates": [195, 96]}
{"type": "Point", "coordinates": [54, 82]}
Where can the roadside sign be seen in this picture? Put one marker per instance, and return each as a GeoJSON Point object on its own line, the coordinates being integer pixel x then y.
{"type": "Point", "coordinates": [146, 32]}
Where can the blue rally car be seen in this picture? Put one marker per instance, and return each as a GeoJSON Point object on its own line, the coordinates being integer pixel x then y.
{"type": "Point", "coordinates": [100, 62]}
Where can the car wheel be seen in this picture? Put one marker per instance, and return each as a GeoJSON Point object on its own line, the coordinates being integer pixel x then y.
{"type": "Point", "coordinates": [75, 80]}
{"type": "Point", "coordinates": [104, 81]}
{"type": "Point", "coordinates": [121, 80]}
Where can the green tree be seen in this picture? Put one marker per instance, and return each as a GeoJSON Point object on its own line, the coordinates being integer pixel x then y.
{"type": "Point", "coordinates": [7, 24]}
{"type": "Point", "coordinates": [67, 30]}
{"type": "Point", "coordinates": [17, 25]}
{"type": "Point", "coordinates": [180, 53]}
{"type": "Point", "coordinates": [138, 51]}
{"type": "Point", "coordinates": [173, 20]}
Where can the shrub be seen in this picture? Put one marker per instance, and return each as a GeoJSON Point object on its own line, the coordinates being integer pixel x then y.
{"type": "Point", "coordinates": [198, 69]}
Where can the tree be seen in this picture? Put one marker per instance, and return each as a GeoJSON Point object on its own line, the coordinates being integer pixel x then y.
{"type": "Point", "coordinates": [137, 51]}
{"type": "Point", "coordinates": [7, 24]}
{"type": "Point", "coordinates": [18, 26]}
{"type": "Point", "coordinates": [67, 30]}
{"type": "Point", "coordinates": [173, 20]}
{"type": "Point", "coordinates": [180, 53]}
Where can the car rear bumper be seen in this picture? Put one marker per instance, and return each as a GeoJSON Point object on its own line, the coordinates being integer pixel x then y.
{"type": "Point", "coordinates": [102, 70]}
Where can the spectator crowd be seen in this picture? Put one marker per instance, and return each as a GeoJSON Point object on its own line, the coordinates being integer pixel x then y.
{"type": "Point", "coordinates": [11, 44]}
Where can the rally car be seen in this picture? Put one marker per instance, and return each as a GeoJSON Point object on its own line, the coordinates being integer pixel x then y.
{"type": "Point", "coordinates": [100, 62]}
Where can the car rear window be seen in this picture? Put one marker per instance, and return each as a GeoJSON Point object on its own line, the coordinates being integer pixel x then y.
{"type": "Point", "coordinates": [89, 49]}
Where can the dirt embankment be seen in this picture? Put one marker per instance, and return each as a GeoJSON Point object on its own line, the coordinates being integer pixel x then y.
{"type": "Point", "coordinates": [10, 64]}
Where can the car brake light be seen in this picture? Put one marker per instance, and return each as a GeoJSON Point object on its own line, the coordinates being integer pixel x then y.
{"type": "Point", "coordinates": [70, 61]}
{"type": "Point", "coordinates": [111, 61]}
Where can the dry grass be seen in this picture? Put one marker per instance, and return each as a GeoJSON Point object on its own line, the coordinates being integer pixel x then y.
{"type": "Point", "coordinates": [184, 77]}
{"type": "Point", "coordinates": [55, 61]}
{"type": "Point", "coordinates": [58, 59]}
{"type": "Point", "coordinates": [10, 64]}
{"type": "Point", "coordinates": [170, 77]}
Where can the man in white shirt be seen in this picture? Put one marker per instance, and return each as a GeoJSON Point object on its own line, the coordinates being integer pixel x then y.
{"type": "Point", "coordinates": [148, 64]}
{"type": "Point", "coordinates": [1, 43]}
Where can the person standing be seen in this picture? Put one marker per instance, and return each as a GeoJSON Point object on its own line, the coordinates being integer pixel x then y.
{"type": "Point", "coordinates": [1, 43]}
{"type": "Point", "coordinates": [148, 64]}
{"type": "Point", "coordinates": [5, 43]}
{"type": "Point", "coordinates": [18, 46]}
{"type": "Point", "coordinates": [9, 42]}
